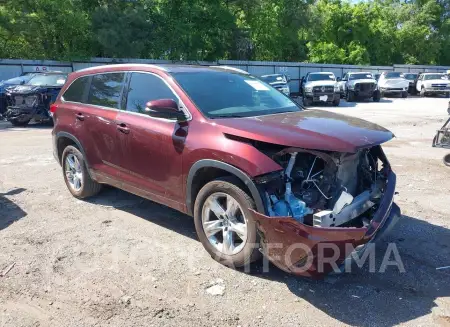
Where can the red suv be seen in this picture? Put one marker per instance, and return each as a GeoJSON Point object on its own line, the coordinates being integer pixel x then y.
{"type": "Point", "coordinates": [257, 172]}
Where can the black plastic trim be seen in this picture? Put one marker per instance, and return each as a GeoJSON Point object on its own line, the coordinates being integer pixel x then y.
{"type": "Point", "coordinates": [228, 168]}
{"type": "Point", "coordinates": [79, 146]}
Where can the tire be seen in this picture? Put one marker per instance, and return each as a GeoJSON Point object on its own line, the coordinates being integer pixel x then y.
{"type": "Point", "coordinates": [404, 94]}
{"type": "Point", "coordinates": [20, 123]}
{"type": "Point", "coordinates": [88, 186]}
{"type": "Point", "coordinates": [350, 96]}
{"type": "Point", "coordinates": [447, 95]}
{"type": "Point", "coordinates": [306, 102]}
{"type": "Point", "coordinates": [376, 96]}
{"type": "Point", "coordinates": [230, 186]}
{"type": "Point", "coordinates": [446, 160]}
{"type": "Point", "coordinates": [336, 102]}
{"type": "Point", "coordinates": [422, 92]}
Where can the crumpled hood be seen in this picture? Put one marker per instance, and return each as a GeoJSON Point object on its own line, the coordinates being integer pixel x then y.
{"type": "Point", "coordinates": [308, 129]}
{"type": "Point", "coordinates": [26, 89]}
{"type": "Point", "coordinates": [366, 80]}
{"type": "Point", "coordinates": [394, 83]}
{"type": "Point", "coordinates": [320, 83]}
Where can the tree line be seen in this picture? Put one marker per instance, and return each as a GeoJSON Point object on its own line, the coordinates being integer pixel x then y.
{"type": "Point", "coordinates": [376, 32]}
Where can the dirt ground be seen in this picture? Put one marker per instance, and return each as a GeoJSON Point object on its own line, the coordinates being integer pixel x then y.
{"type": "Point", "coordinates": [120, 260]}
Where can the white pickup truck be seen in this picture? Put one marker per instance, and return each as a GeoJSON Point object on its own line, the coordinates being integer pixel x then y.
{"type": "Point", "coordinates": [433, 83]}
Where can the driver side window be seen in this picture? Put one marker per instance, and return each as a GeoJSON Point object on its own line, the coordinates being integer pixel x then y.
{"type": "Point", "coordinates": [145, 87]}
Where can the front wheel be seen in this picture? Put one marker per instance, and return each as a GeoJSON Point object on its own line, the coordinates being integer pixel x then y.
{"type": "Point", "coordinates": [376, 96]}
{"type": "Point", "coordinates": [19, 122]}
{"type": "Point", "coordinates": [350, 96]}
{"type": "Point", "coordinates": [76, 175]}
{"type": "Point", "coordinates": [447, 160]}
{"type": "Point", "coordinates": [422, 92]}
{"type": "Point", "coordinates": [336, 102]}
{"type": "Point", "coordinates": [404, 94]}
{"type": "Point", "coordinates": [223, 222]}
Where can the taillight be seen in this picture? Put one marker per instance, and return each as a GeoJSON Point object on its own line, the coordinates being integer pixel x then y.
{"type": "Point", "coordinates": [53, 108]}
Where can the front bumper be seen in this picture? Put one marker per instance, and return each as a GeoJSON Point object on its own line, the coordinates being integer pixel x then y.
{"type": "Point", "coordinates": [320, 97]}
{"type": "Point", "coordinates": [25, 113]}
{"type": "Point", "coordinates": [436, 90]}
{"type": "Point", "coordinates": [306, 250]}
{"type": "Point", "coordinates": [393, 90]}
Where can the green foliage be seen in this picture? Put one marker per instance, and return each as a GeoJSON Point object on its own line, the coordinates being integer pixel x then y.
{"type": "Point", "coordinates": [377, 32]}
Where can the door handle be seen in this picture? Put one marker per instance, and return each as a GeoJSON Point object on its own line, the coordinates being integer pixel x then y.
{"type": "Point", "coordinates": [80, 116]}
{"type": "Point", "coordinates": [123, 128]}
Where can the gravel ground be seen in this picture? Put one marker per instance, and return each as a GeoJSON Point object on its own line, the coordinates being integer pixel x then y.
{"type": "Point", "coordinates": [121, 260]}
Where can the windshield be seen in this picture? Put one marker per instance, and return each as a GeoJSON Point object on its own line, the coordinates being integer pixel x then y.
{"type": "Point", "coordinates": [18, 80]}
{"type": "Point", "coordinates": [50, 80]}
{"type": "Point", "coordinates": [434, 76]}
{"type": "Point", "coordinates": [321, 77]}
{"type": "Point", "coordinates": [273, 79]}
{"type": "Point", "coordinates": [225, 94]}
{"type": "Point", "coordinates": [410, 77]}
{"type": "Point", "coordinates": [360, 76]}
{"type": "Point", "coordinates": [393, 75]}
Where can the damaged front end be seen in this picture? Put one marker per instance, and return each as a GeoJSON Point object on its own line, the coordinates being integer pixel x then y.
{"type": "Point", "coordinates": [323, 206]}
{"type": "Point", "coordinates": [26, 102]}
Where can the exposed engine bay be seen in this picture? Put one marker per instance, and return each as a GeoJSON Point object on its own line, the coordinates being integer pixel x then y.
{"type": "Point", "coordinates": [326, 189]}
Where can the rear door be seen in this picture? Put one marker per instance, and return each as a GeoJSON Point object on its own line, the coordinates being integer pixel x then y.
{"type": "Point", "coordinates": [99, 120]}
{"type": "Point", "coordinates": [150, 145]}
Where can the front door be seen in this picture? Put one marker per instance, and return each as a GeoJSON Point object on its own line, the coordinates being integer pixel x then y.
{"type": "Point", "coordinates": [152, 155]}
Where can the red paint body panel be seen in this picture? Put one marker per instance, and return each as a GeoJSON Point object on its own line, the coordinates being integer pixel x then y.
{"type": "Point", "coordinates": [309, 129]}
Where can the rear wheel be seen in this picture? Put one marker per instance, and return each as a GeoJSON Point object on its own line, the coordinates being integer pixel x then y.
{"type": "Point", "coordinates": [223, 222]}
{"type": "Point", "coordinates": [76, 175]}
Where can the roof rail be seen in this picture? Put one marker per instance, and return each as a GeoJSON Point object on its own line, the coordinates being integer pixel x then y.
{"type": "Point", "coordinates": [232, 68]}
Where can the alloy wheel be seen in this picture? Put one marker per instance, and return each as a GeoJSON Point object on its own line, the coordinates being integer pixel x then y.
{"type": "Point", "coordinates": [74, 173]}
{"type": "Point", "coordinates": [224, 223]}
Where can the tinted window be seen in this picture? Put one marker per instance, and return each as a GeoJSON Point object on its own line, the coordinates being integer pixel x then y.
{"type": "Point", "coordinates": [434, 76]}
{"type": "Point", "coordinates": [106, 89]}
{"type": "Point", "coordinates": [225, 94]}
{"type": "Point", "coordinates": [77, 91]}
{"type": "Point", "coordinates": [361, 76]}
{"type": "Point", "coordinates": [144, 88]}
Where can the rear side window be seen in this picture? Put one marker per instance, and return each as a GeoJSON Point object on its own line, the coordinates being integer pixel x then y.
{"type": "Point", "coordinates": [106, 90]}
{"type": "Point", "coordinates": [78, 90]}
{"type": "Point", "coordinates": [144, 88]}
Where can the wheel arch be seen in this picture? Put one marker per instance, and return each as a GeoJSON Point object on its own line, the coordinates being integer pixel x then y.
{"type": "Point", "coordinates": [216, 169]}
{"type": "Point", "coordinates": [64, 139]}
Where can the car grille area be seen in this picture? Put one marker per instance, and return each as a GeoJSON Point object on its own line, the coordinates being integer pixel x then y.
{"type": "Point", "coordinates": [365, 87]}
{"type": "Point", "coordinates": [318, 90]}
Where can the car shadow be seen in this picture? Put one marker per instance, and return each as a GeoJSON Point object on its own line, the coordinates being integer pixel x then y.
{"type": "Point", "coordinates": [9, 211]}
{"type": "Point", "coordinates": [6, 125]}
{"type": "Point", "coordinates": [146, 209]}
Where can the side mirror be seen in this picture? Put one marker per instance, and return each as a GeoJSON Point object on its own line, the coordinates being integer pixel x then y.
{"type": "Point", "coordinates": [338, 79]}
{"type": "Point", "coordinates": [164, 108]}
